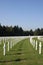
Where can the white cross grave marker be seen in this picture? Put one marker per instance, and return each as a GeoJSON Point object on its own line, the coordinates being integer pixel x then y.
{"type": "Point", "coordinates": [11, 44]}
{"type": "Point", "coordinates": [4, 47]}
{"type": "Point", "coordinates": [36, 45]}
{"type": "Point", "coordinates": [33, 43]}
{"type": "Point", "coordinates": [8, 46]}
{"type": "Point", "coordinates": [40, 48]}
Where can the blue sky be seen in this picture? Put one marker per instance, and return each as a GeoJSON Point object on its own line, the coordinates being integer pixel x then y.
{"type": "Point", "coordinates": [27, 14]}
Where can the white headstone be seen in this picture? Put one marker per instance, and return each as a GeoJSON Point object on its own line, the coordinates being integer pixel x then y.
{"type": "Point", "coordinates": [36, 45]}
{"type": "Point", "coordinates": [8, 46]}
{"type": "Point", "coordinates": [40, 48]}
{"type": "Point", "coordinates": [11, 44]}
{"type": "Point", "coordinates": [33, 43]}
{"type": "Point", "coordinates": [4, 47]}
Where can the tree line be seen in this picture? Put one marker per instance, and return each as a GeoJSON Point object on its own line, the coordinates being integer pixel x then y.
{"type": "Point", "coordinates": [18, 31]}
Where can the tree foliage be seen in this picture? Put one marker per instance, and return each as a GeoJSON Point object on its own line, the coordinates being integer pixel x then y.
{"type": "Point", "coordinates": [18, 31]}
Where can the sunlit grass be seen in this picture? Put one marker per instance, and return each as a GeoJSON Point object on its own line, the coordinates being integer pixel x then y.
{"type": "Point", "coordinates": [21, 53]}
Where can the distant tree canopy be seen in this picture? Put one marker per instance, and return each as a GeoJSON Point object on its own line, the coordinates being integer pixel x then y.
{"type": "Point", "coordinates": [18, 31]}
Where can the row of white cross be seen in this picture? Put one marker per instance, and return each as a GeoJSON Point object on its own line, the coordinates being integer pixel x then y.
{"type": "Point", "coordinates": [4, 47]}
{"type": "Point", "coordinates": [10, 44]}
{"type": "Point", "coordinates": [35, 44]}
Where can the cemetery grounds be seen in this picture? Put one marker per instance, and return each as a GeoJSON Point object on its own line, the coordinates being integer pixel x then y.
{"type": "Point", "coordinates": [21, 51]}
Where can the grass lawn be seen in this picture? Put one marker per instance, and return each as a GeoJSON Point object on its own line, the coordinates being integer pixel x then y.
{"type": "Point", "coordinates": [21, 54]}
